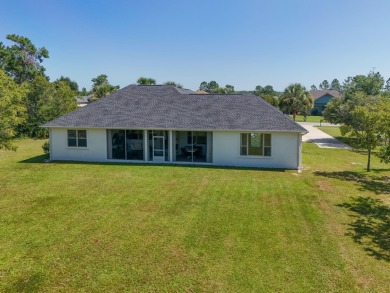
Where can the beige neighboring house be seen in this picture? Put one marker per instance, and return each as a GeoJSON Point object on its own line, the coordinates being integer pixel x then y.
{"type": "Point", "coordinates": [201, 92]}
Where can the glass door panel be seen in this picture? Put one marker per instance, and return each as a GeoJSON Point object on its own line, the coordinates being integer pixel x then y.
{"type": "Point", "coordinates": [158, 148]}
{"type": "Point", "coordinates": [118, 144]}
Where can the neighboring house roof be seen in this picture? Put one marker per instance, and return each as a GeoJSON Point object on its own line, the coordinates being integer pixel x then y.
{"type": "Point", "coordinates": [201, 92]}
{"type": "Point", "coordinates": [84, 99]}
{"type": "Point", "coordinates": [320, 93]}
{"type": "Point", "coordinates": [184, 91]}
{"type": "Point", "coordinates": [167, 107]}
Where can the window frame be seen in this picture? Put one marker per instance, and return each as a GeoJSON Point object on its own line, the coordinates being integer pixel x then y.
{"type": "Point", "coordinates": [194, 137]}
{"type": "Point", "coordinates": [77, 138]}
{"type": "Point", "coordinates": [265, 148]}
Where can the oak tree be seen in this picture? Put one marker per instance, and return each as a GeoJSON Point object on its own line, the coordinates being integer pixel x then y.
{"type": "Point", "coordinates": [22, 61]}
{"type": "Point", "coordinates": [12, 110]}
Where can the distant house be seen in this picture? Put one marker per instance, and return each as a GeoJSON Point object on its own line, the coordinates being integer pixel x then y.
{"type": "Point", "coordinates": [84, 100]}
{"type": "Point", "coordinates": [321, 98]}
{"type": "Point", "coordinates": [201, 92]}
{"type": "Point", "coordinates": [164, 124]}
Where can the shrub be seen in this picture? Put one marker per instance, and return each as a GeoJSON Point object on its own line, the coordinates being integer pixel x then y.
{"type": "Point", "coordinates": [46, 147]}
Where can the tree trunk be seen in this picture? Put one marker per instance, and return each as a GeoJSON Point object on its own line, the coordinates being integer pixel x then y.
{"type": "Point", "coordinates": [294, 114]}
{"type": "Point", "coordinates": [369, 160]}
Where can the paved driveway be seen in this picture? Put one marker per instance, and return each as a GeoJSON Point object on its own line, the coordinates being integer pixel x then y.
{"type": "Point", "coordinates": [320, 138]}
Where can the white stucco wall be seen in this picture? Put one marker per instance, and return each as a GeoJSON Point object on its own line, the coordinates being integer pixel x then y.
{"type": "Point", "coordinates": [225, 149]}
{"type": "Point", "coordinates": [284, 151]}
{"type": "Point", "coordinates": [96, 150]}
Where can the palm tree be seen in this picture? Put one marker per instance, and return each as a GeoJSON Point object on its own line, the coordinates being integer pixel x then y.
{"type": "Point", "coordinates": [296, 99]}
{"type": "Point", "coordinates": [146, 81]}
{"type": "Point", "coordinates": [306, 105]}
{"type": "Point", "coordinates": [175, 84]}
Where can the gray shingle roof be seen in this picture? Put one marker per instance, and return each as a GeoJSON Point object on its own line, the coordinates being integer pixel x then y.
{"type": "Point", "coordinates": [165, 107]}
{"type": "Point", "coordinates": [184, 91]}
{"type": "Point", "coordinates": [320, 93]}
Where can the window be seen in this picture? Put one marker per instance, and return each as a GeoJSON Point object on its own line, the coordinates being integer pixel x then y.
{"type": "Point", "coordinates": [255, 144]}
{"type": "Point", "coordinates": [192, 146]}
{"type": "Point", "coordinates": [125, 144]}
{"type": "Point", "coordinates": [77, 138]}
{"type": "Point", "coordinates": [196, 137]}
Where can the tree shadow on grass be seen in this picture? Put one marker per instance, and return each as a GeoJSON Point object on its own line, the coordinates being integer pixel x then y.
{"type": "Point", "coordinates": [347, 140]}
{"type": "Point", "coordinates": [378, 185]}
{"type": "Point", "coordinates": [29, 283]}
{"type": "Point", "coordinates": [371, 227]}
{"type": "Point", "coordinates": [37, 159]}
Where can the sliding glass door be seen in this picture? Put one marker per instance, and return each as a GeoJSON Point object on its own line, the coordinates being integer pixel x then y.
{"type": "Point", "coordinates": [118, 141]}
{"type": "Point", "coordinates": [125, 144]}
{"type": "Point", "coordinates": [187, 146]}
{"type": "Point", "coordinates": [193, 146]}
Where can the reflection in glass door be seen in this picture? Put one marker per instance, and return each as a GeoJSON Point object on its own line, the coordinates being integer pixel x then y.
{"type": "Point", "coordinates": [158, 149]}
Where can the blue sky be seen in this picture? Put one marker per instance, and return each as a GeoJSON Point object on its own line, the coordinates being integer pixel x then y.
{"type": "Point", "coordinates": [244, 43]}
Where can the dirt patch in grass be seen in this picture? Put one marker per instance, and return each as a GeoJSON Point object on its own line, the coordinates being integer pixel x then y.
{"type": "Point", "coordinates": [323, 185]}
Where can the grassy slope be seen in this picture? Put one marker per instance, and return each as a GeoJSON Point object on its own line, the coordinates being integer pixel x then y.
{"type": "Point", "coordinates": [335, 132]}
{"type": "Point", "coordinates": [300, 118]}
{"type": "Point", "coordinates": [331, 130]}
{"type": "Point", "coordinates": [93, 227]}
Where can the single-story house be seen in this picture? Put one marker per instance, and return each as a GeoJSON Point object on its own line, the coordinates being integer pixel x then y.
{"type": "Point", "coordinates": [165, 124]}
{"type": "Point", "coordinates": [321, 98]}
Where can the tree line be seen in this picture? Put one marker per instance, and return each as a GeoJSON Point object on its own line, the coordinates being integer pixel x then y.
{"type": "Point", "coordinates": [364, 113]}
{"type": "Point", "coordinates": [28, 99]}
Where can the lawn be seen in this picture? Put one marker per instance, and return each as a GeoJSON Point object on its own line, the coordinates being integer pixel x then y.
{"type": "Point", "coordinates": [300, 118]}
{"type": "Point", "coordinates": [335, 132]}
{"type": "Point", "coordinates": [150, 228]}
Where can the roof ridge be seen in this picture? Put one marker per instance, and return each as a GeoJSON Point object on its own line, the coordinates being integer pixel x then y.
{"type": "Point", "coordinates": [151, 84]}
{"type": "Point", "coordinates": [216, 94]}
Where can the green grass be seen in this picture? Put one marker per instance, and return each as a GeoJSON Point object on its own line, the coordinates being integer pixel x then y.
{"type": "Point", "coordinates": [336, 133]}
{"type": "Point", "coordinates": [300, 118]}
{"type": "Point", "coordinates": [145, 228]}
{"type": "Point", "coordinates": [331, 130]}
